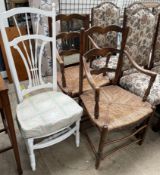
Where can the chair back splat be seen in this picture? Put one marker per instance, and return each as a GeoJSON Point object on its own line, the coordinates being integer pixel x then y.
{"type": "Point", "coordinates": [32, 57]}
{"type": "Point", "coordinates": [87, 38]}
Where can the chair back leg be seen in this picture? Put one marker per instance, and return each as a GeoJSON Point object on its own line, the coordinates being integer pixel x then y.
{"type": "Point", "coordinates": [30, 148]}
{"type": "Point", "coordinates": [77, 134]}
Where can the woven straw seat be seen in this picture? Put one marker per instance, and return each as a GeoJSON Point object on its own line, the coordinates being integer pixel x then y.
{"type": "Point", "coordinates": [117, 107]}
{"type": "Point", "coordinates": [72, 80]}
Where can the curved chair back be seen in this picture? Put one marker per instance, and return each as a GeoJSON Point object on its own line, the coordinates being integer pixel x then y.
{"type": "Point", "coordinates": [97, 52]}
{"type": "Point", "coordinates": [104, 15]}
{"type": "Point", "coordinates": [32, 57]}
{"type": "Point", "coordinates": [140, 38]}
{"type": "Point", "coordinates": [130, 9]}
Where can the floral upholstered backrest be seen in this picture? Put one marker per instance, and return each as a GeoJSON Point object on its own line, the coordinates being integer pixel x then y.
{"type": "Point", "coordinates": [104, 15]}
{"type": "Point", "coordinates": [139, 42]}
{"type": "Point", "coordinates": [157, 44]}
{"type": "Point", "coordinates": [134, 6]}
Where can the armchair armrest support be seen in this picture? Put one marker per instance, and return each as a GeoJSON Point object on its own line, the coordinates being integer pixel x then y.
{"type": "Point", "coordinates": [146, 72]}
{"type": "Point", "coordinates": [94, 87]}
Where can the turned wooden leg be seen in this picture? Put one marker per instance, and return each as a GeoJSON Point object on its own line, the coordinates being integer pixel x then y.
{"type": "Point", "coordinates": [8, 115]}
{"type": "Point", "coordinates": [30, 148]}
{"type": "Point", "coordinates": [144, 131]}
{"type": "Point", "coordinates": [3, 119]}
{"type": "Point", "coordinates": [100, 148]}
{"type": "Point", "coordinates": [77, 134]}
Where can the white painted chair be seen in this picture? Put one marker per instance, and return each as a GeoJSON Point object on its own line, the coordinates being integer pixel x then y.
{"type": "Point", "coordinates": [50, 116]}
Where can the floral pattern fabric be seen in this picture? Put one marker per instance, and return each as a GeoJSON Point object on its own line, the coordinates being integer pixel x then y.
{"type": "Point", "coordinates": [135, 6]}
{"type": "Point", "coordinates": [138, 83]}
{"type": "Point", "coordinates": [157, 46]}
{"type": "Point", "coordinates": [156, 69]}
{"type": "Point", "coordinates": [104, 15]}
{"type": "Point", "coordinates": [139, 41]}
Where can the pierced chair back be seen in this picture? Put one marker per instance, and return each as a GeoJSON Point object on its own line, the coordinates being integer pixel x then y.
{"type": "Point", "coordinates": [87, 37]}
{"type": "Point", "coordinates": [32, 58]}
{"type": "Point", "coordinates": [68, 51]}
{"type": "Point", "coordinates": [96, 88]}
{"type": "Point", "coordinates": [140, 38]}
{"type": "Point", "coordinates": [70, 23]}
{"type": "Point", "coordinates": [104, 15]}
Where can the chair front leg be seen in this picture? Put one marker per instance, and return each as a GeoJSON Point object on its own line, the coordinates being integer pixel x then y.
{"type": "Point", "coordinates": [144, 131]}
{"type": "Point", "coordinates": [3, 119]}
{"type": "Point", "coordinates": [30, 148]}
{"type": "Point", "coordinates": [77, 134]}
{"type": "Point", "coordinates": [101, 146]}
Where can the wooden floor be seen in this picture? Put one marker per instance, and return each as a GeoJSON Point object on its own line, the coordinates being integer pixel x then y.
{"type": "Point", "coordinates": [65, 159]}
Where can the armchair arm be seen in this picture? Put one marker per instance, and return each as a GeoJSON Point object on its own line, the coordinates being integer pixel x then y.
{"type": "Point", "coordinates": [59, 58]}
{"type": "Point", "coordinates": [140, 69]}
{"type": "Point", "coordinates": [147, 72]}
{"type": "Point", "coordinates": [94, 87]}
{"type": "Point", "coordinates": [89, 76]}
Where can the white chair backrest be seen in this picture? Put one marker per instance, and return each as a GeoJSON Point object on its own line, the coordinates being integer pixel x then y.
{"type": "Point", "coordinates": [31, 55]}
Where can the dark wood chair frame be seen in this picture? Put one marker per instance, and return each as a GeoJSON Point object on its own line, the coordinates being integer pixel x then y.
{"type": "Point", "coordinates": [140, 131]}
{"type": "Point", "coordinates": [6, 114]}
{"type": "Point", "coordinates": [64, 36]}
{"type": "Point", "coordinates": [60, 56]}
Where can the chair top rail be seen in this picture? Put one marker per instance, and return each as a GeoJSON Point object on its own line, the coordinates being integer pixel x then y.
{"type": "Point", "coordinates": [69, 17]}
{"type": "Point", "coordinates": [16, 11]}
{"type": "Point", "coordinates": [104, 3]}
{"type": "Point", "coordinates": [103, 30]}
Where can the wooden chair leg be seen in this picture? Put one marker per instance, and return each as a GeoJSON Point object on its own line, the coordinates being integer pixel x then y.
{"type": "Point", "coordinates": [144, 131]}
{"type": "Point", "coordinates": [77, 134]}
{"type": "Point", "coordinates": [100, 148]}
{"type": "Point", "coordinates": [11, 130]}
{"type": "Point", "coordinates": [3, 119]}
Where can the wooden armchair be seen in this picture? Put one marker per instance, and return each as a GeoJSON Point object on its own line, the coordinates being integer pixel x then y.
{"type": "Point", "coordinates": [112, 108]}
{"type": "Point", "coordinates": [70, 75]}
{"type": "Point", "coordinates": [68, 48]}
{"type": "Point", "coordinates": [140, 50]}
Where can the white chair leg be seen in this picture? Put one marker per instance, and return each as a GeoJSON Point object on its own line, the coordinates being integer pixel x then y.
{"type": "Point", "coordinates": [31, 154]}
{"type": "Point", "coordinates": [77, 134]}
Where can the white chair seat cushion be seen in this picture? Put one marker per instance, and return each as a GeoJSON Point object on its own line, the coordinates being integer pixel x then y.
{"type": "Point", "coordinates": [138, 83]}
{"type": "Point", "coordinates": [45, 113]}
